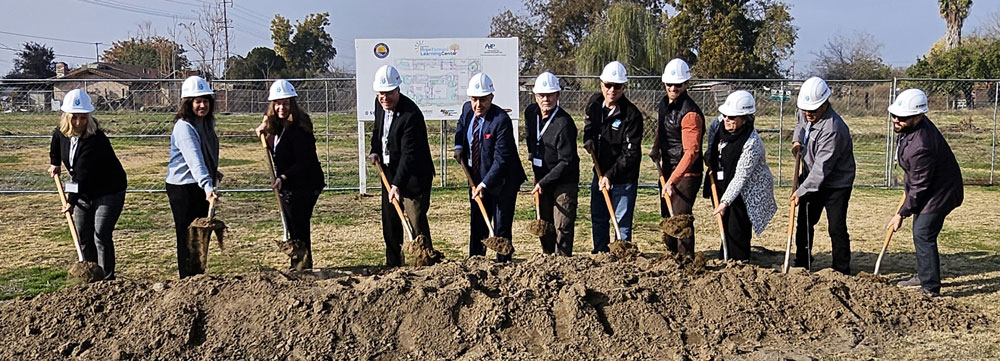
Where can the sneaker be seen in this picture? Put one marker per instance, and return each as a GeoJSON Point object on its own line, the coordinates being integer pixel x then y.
{"type": "Point", "coordinates": [912, 282]}
{"type": "Point", "coordinates": [929, 293]}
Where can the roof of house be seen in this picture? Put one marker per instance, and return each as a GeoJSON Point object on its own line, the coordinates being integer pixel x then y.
{"type": "Point", "coordinates": [113, 71]}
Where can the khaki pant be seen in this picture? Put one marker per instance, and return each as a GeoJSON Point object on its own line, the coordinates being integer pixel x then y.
{"type": "Point", "coordinates": [557, 205]}
{"type": "Point", "coordinates": [392, 227]}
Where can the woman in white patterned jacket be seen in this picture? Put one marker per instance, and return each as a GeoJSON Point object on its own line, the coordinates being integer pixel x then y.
{"type": "Point", "coordinates": [736, 159]}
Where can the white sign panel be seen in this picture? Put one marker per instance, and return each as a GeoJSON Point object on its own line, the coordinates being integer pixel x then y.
{"type": "Point", "coordinates": [436, 72]}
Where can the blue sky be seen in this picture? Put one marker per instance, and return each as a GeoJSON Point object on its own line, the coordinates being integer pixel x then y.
{"type": "Point", "coordinates": [906, 28]}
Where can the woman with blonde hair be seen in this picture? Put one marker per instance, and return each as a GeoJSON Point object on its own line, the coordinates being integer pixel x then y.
{"type": "Point", "coordinates": [96, 191]}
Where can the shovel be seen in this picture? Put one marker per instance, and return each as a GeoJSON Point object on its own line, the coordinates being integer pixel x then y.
{"type": "Point", "coordinates": [81, 271]}
{"type": "Point", "coordinates": [718, 217]}
{"type": "Point", "coordinates": [420, 247]}
{"type": "Point", "coordinates": [888, 236]}
{"type": "Point", "coordinates": [501, 245]}
{"type": "Point", "coordinates": [200, 235]}
{"type": "Point", "coordinates": [292, 247]}
{"type": "Point", "coordinates": [538, 227]}
{"type": "Point", "coordinates": [677, 226]}
{"type": "Point", "coordinates": [619, 248]}
{"type": "Point", "coordinates": [791, 214]}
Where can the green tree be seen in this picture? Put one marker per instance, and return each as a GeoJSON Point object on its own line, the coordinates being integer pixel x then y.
{"type": "Point", "coordinates": [629, 33]}
{"type": "Point", "coordinates": [260, 63]}
{"type": "Point", "coordinates": [155, 52]}
{"type": "Point", "coordinates": [308, 49]}
{"type": "Point", "coordinates": [976, 58]}
{"type": "Point", "coordinates": [954, 13]}
{"type": "Point", "coordinates": [33, 61]}
{"type": "Point", "coordinates": [857, 56]}
{"type": "Point", "coordinates": [733, 38]}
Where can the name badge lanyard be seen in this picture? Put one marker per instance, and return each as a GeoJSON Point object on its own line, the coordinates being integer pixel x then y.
{"type": "Point", "coordinates": [538, 142]}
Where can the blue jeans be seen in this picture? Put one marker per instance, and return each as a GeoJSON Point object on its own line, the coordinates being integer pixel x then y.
{"type": "Point", "coordinates": [926, 227]}
{"type": "Point", "coordinates": [95, 221]}
{"type": "Point", "coordinates": [623, 200]}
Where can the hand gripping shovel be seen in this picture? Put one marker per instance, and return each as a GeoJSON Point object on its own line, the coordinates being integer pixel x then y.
{"type": "Point", "coordinates": [421, 247]}
{"type": "Point", "coordinates": [888, 236]}
{"type": "Point", "coordinates": [718, 217]}
{"type": "Point", "coordinates": [538, 227]}
{"type": "Point", "coordinates": [619, 248]}
{"type": "Point", "coordinates": [501, 245]}
{"type": "Point", "coordinates": [81, 271]}
{"type": "Point", "coordinates": [677, 226]}
{"type": "Point", "coordinates": [200, 235]}
{"type": "Point", "coordinates": [791, 214]}
{"type": "Point", "coordinates": [291, 247]}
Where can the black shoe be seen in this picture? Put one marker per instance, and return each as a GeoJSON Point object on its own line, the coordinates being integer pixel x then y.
{"type": "Point", "coordinates": [929, 293]}
{"type": "Point", "coordinates": [912, 282]}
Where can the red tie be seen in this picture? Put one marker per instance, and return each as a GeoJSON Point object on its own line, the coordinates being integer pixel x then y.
{"type": "Point", "coordinates": [475, 147]}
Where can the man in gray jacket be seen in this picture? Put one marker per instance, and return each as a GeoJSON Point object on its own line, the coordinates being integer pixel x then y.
{"type": "Point", "coordinates": [824, 142]}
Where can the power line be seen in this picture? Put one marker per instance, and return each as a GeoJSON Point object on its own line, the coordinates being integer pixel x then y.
{"type": "Point", "coordinates": [47, 38]}
{"type": "Point", "coordinates": [137, 9]}
{"type": "Point", "coordinates": [59, 55]}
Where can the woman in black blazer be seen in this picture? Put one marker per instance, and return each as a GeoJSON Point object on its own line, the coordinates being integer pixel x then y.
{"type": "Point", "coordinates": [289, 134]}
{"type": "Point", "coordinates": [96, 191]}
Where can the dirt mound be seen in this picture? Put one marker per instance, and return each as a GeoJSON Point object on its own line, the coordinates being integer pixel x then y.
{"type": "Point", "coordinates": [545, 307]}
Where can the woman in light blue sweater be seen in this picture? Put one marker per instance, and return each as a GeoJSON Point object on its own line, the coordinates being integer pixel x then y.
{"type": "Point", "coordinates": [193, 169]}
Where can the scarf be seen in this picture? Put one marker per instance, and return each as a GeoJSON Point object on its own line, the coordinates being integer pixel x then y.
{"type": "Point", "coordinates": [727, 159]}
{"type": "Point", "coordinates": [209, 146]}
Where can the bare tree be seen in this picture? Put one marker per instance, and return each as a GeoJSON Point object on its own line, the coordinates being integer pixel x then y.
{"type": "Point", "coordinates": [855, 56]}
{"type": "Point", "coordinates": [207, 38]}
{"type": "Point", "coordinates": [954, 13]}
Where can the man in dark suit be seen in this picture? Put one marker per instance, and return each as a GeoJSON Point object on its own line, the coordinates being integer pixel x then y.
{"type": "Point", "coordinates": [933, 184]}
{"type": "Point", "coordinates": [484, 142]}
{"type": "Point", "coordinates": [399, 143]}
{"type": "Point", "coordinates": [551, 141]}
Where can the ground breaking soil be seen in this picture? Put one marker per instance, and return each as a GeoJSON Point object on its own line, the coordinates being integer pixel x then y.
{"type": "Point", "coordinates": [542, 308]}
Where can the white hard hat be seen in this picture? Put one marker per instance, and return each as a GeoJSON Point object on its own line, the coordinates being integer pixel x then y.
{"type": "Point", "coordinates": [77, 101]}
{"type": "Point", "coordinates": [908, 103]}
{"type": "Point", "coordinates": [677, 71]}
{"type": "Point", "coordinates": [614, 72]}
{"type": "Point", "coordinates": [480, 85]}
{"type": "Point", "coordinates": [195, 86]}
{"type": "Point", "coordinates": [813, 94]}
{"type": "Point", "coordinates": [386, 79]}
{"type": "Point", "coordinates": [546, 83]}
{"type": "Point", "coordinates": [738, 103]}
{"type": "Point", "coordinates": [281, 89]}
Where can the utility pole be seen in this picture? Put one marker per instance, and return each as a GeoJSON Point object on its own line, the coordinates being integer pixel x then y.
{"type": "Point", "coordinates": [225, 28]}
{"type": "Point", "coordinates": [97, 52]}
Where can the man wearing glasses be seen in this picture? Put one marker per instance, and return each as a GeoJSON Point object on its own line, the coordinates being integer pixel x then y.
{"type": "Point", "coordinates": [680, 127]}
{"type": "Point", "coordinates": [613, 132]}
{"type": "Point", "coordinates": [824, 142]}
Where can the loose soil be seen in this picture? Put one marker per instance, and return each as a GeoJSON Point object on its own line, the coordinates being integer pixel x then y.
{"type": "Point", "coordinates": [540, 228]}
{"type": "Point", "coordinates": [679, 226]}
{"type": "Point", "coordinates": [85, 272]}
{"type": "Point", "coordinates": [500, 245]}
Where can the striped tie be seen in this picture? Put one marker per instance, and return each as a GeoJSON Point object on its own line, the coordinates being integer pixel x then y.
{"type": "Point", "coordinates": [475, 147]}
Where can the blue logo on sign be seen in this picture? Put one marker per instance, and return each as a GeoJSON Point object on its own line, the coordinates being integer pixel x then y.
{"type": "Point", "coordinates": [490, 46]}
{"type": "Point", "coordinates": [381, 50]}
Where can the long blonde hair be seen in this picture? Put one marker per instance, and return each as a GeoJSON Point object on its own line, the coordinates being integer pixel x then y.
{"type": "Point", "coordinates": [66, 125]}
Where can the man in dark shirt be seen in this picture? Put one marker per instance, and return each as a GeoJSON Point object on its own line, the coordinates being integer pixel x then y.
{"type": "Point", "coordinates": [933, 184]}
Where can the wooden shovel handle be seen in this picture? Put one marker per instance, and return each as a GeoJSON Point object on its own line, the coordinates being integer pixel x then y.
{"type": "Point", "coordinates": [478, 199]}
{"type": "Point", "coordinates": [663, 185]}
{"type": "Point", "coordinates": [538, 215]}
{"type": "Point", "coordinates": [69, 218]}
{"type": "Point", "coordinates": [888, 237]}
{"type": "Point", "coordinates": [607, 198]}
{"type": "Point", "coordinates": [395, 203]}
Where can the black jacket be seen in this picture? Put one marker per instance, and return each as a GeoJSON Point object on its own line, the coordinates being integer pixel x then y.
{"type": "Point", "coordinates": [96, 169]}
{"type": "Point", "coordinates": [556, 149]}
{"type": "Point", "coordinates": [295, 158]}
{"type": "Point", "coordinates": [411, 167]}
{"type": "Point", "coordinates": [933, 178]}
{"type": "Point", "coordinates": [617, 138]}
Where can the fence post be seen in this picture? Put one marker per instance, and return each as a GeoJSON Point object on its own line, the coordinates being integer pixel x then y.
{"type": "Point", "coordinates": [781, 128]}
{"type": "Point", "coordinates": [444, 154]}
{"type": "Point", "coordinates": [326, 93]}
{"type": "Point", "coordinates": [993, 147]}
{"type": "Point", "coordinates": [888, 138]}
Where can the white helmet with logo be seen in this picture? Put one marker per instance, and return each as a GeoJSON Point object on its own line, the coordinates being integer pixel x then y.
{"type": "Point", "coordinates": [614, 72]}
{"type": "Point", "coordinates": [195, 86]}
{"type": "Point", "coordinates": [77, 101]}
{"type": "Point", "coordinates": [480, 85]}
{"type": "Point", "coordinates": [909, 103]}
{"type": "Point", "coordinates": [281, 89]}
{"type": "Point", "coordinates": [813, 94]}
{"type": "Point", "coordinates": [386, 79]}
{"type": "Point", "coordinates": [738, 103]}
{"type": "Point", "coordinates": [546, 83]}
{"type": "Point", "coordinates": [677, 71]}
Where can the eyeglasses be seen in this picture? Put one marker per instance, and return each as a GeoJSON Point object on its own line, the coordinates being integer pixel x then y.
{"type": "Point", "coordinates": [732, 119]}
{"type": "Point", "coordinates": [814, 111]}
{"type": "Point", "coordinates": [615, 86]}
{"type": "Point", "coordinates": [673, 85]}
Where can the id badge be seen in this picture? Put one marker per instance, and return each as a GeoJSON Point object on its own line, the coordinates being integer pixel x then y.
{"type": "Point", "coordinates": [719, 175]}
{"type": "Point", "coordinates": [536, 162]}
{"type": "Point", "coordinates": [72, 187]}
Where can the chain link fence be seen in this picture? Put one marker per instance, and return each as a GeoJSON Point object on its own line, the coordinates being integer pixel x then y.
{"type": "Point", "coordinates": [138, 116]}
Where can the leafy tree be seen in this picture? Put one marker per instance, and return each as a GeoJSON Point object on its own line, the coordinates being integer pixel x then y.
{"type": "Point", "coordinates": [260, 63]}
{"type": "Point", "coordinates": [308, 50]}
{"type": "Point", "coordinates": [734, 38]}
{"type": "Point", "coordinates": [629, 33]}
{"type": "Point", "coordinates": [954, 13]}
{"type": "Point", "coordinates": [34, 61]}
{"type": "Point", "coordinates": [155, 52]}
{"type": "Point", "coordinates": [977, 58]}
{"type": "Point", "coordinates": [856, 56]}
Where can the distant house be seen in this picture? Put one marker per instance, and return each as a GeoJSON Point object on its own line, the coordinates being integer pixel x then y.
{"type": "Point", "coordinates": [116, 86]}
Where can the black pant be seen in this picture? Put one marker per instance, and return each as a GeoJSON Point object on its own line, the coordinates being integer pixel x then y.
{"type": "Point", "coordinates": [501, 211]}
{"type": "Point", "coordinates": [187, 202]}
{"type": "Point", "coordinates": [736, 222]}
{"type": "Point", "coordinates": [683, 200]}
{"type": "Point", "coordinates": [557, 205]}
{"type": "Point", "coordinates": [415, 209]}
{"type": "Point", "coordinates": [299, 206]}
{"type": "Point", "coordinates": [926, 227]}
{"type": "Point", "coordinates": [810, 208]}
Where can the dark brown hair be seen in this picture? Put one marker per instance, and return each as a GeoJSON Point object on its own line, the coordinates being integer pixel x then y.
{"type": "Point", "coordinates": [186, 110]}
{"type": "Point", "coordinates": [296, 117]}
